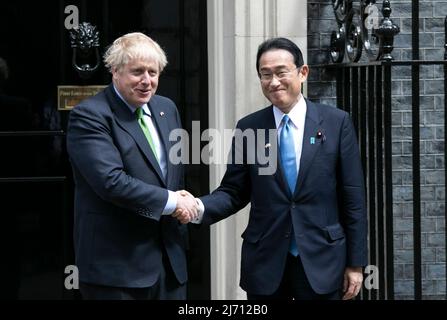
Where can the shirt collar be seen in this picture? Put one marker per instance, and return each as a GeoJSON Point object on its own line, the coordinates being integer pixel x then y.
{"type": "Point", "coordinates": [131, 108]}
{"type": "Point", "coordinates": [297, 114]}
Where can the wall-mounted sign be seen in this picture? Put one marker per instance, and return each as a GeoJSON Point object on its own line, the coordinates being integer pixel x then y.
{"type": "Point", "coordinates": [70, 96]}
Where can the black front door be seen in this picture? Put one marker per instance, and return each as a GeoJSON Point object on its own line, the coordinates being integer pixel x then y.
{"type": "Point", "coordinates": [36, 187]}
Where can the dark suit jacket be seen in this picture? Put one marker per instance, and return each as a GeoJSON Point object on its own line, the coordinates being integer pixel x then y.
{"type": "Point", "coordinates": [327, 209]}
{"type": "Point", "coordinates": [120, 193]}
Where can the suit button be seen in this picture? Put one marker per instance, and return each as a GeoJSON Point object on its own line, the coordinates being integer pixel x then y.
{"type": "Point", "coordinates": [287, 235]}
{"type": "Point", "coordinates": [293, 205]}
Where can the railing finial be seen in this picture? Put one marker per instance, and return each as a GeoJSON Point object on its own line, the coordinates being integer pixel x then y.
{"type": "Point", "coordinates": [386, 31]}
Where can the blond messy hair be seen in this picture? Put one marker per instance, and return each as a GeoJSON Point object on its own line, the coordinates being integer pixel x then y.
{"type": "Point", "coordinates": [132, 46]}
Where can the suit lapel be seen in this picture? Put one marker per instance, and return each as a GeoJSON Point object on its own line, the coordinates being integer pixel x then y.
{"type": "Point", "coordinates": [128, 122]}
{"type": "Point", "coordinates": [161, 123]}
{"type": "Point", "coordinates": [311, 127]}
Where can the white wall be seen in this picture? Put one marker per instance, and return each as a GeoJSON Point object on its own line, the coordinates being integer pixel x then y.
{"type": "Point", "coordinates": [235, 30]}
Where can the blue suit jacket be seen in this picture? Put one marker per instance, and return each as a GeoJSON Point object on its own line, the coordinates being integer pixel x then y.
{"type": "Point", "coordinates": [120, 193]}
{"type": "Point", "coordinates": [327, 209]}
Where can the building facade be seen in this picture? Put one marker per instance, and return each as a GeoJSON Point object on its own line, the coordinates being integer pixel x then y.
{"type": "Point", "coordinates": [211, 47]}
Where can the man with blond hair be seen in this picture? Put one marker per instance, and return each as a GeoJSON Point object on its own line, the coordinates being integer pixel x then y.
{"type": "Point", "coordinates": [127, 243]}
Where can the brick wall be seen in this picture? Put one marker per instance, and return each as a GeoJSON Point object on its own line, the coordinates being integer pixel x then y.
{"type": "Point", "coordinates": [321, 87]}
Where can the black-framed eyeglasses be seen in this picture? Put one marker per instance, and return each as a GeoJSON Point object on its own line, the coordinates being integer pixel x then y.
{"type": "Point", "coordinates": [280, 74]}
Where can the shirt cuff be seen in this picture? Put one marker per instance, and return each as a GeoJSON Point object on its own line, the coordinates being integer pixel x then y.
{"type": "Point", "coordinates": [171, 204]}
{"type": "Point", "coordinates": [201, 210]}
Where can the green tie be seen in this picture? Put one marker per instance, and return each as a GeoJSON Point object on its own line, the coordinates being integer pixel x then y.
{"type": "Point", "coordinates": [144, 127]}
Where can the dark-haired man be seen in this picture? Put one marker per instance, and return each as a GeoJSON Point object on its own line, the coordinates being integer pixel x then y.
{"type": "Point", "coordinates": [306, 235]}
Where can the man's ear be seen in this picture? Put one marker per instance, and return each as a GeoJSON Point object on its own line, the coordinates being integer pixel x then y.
{"type": "Point", "coordinates": [304, 72]}
{"type": "Point", "coordinates": [114, 73]}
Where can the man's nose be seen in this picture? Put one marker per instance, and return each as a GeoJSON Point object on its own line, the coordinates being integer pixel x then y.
{"type": "Point", "coordinates": [274, 82]}
{"type": "Point", "coordinates": [146, 77]}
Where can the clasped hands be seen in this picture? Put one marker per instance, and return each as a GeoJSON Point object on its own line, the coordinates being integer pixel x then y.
{"type": "Point", "coordinates": [187, 207]}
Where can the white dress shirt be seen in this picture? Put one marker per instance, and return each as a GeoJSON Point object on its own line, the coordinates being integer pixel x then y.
{"type": "Point", "coordinates": [297, 120]}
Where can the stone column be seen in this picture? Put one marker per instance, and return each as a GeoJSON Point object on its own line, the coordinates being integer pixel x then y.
{"type": "Point", "coordinates": [235, 30]}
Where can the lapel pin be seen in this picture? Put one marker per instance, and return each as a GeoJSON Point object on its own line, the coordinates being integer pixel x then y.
{"type": "Point", "coordinates": [268, 145]}
{"type": "Point", "coordinates": [162, 114]}
{"type": "Point", "coordinates": [321, 136]}
{"type": "Point", "coordinates": [312, 140]}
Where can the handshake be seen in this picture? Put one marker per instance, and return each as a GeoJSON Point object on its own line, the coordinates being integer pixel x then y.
{"type": "Point", "coordinates": [188, 208]}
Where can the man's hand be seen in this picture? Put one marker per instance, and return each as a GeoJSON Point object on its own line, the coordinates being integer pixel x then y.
{"type": "Point", "coordinates": [186, 209]}
{"type": "Point", "coordinates": [352, 282]}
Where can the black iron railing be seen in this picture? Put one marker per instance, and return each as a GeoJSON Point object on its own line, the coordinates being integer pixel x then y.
{"type": "Point", "coordinates": [364, 89]}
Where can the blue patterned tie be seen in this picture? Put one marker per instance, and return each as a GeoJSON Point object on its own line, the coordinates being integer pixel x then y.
{"type": "Point", "coordinates": [288, 161]}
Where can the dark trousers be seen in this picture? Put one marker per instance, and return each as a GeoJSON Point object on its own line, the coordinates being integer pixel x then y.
{"type": "Point", "coordinates": [295, 285]}
{"type": "Point", "coordinates": [166, 288]}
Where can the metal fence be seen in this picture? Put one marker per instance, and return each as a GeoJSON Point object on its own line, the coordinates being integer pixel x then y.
{"type": "Point", "coordinates": [364, 89]}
